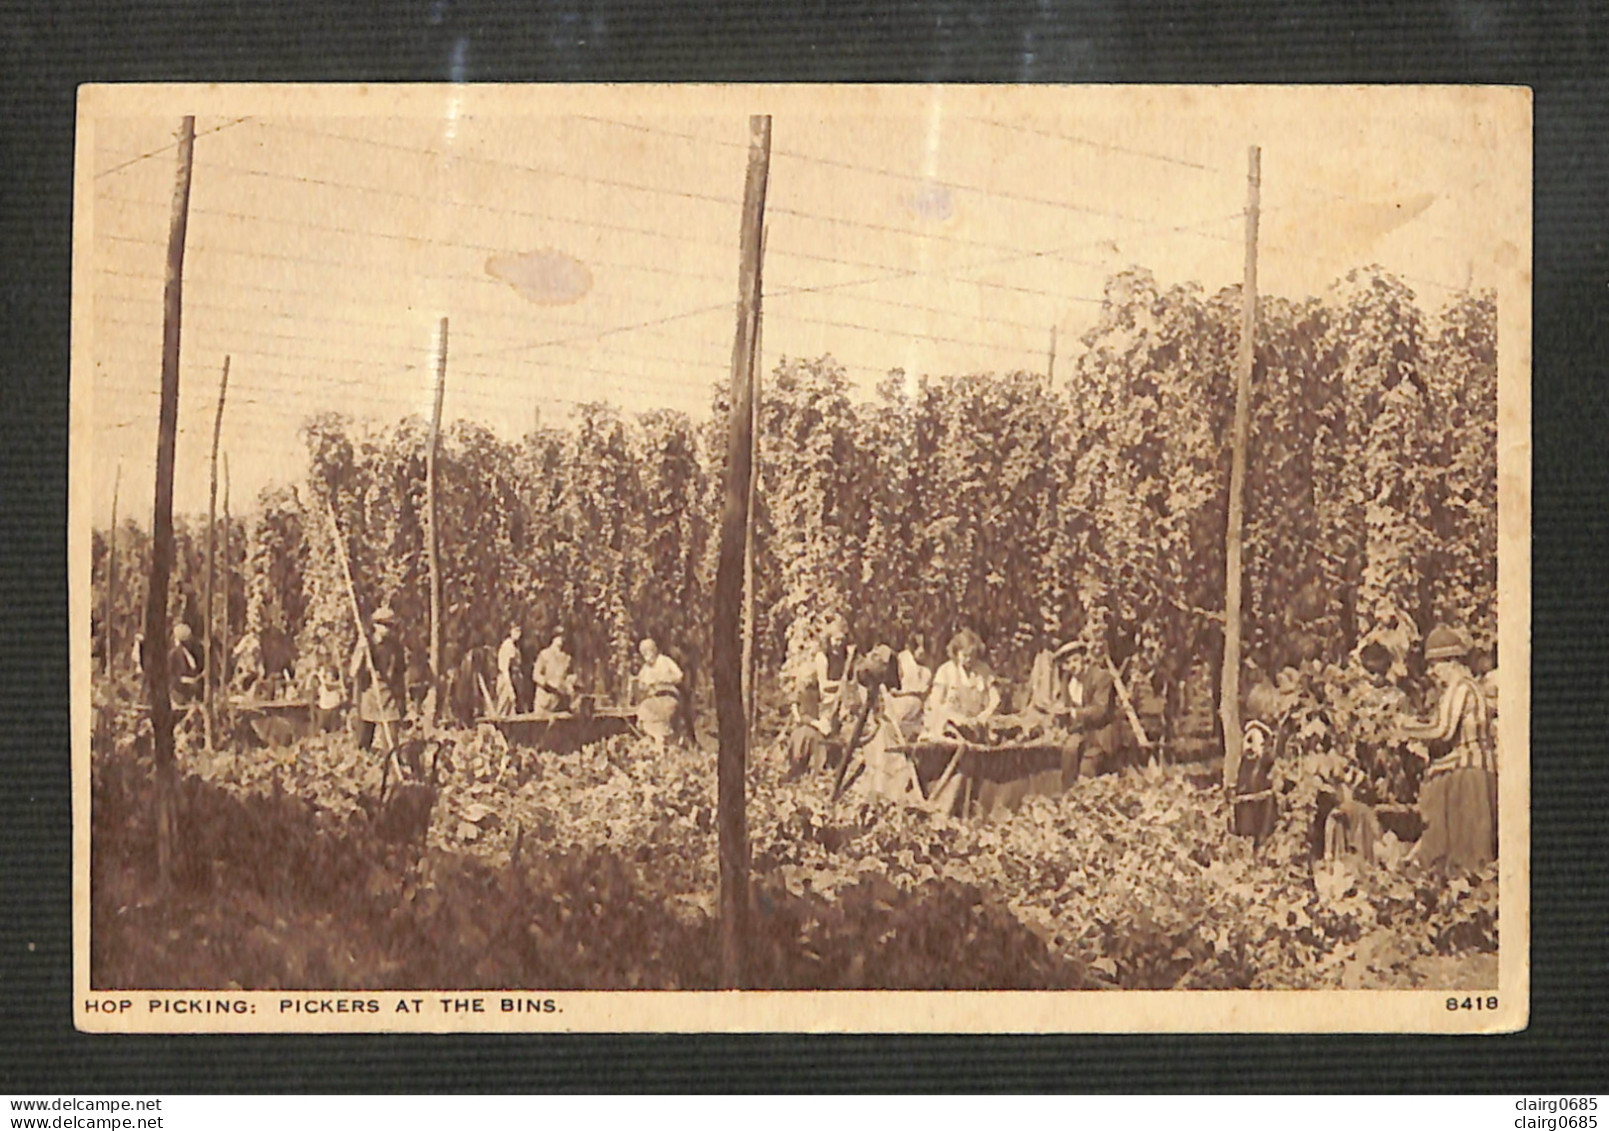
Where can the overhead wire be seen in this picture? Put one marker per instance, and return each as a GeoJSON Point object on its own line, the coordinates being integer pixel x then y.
{"type": "Point", "coordinates": [818, 288]}
{"type": "Point", "coordinates": [374, 385]}
{"type": "Point", "coordinates": [174, 144]}
{"type": "Point", "coordinates": [487, 279]}
{"type": "Point", "coordinates": [209, 327]}
{"type": "Point", "coordinates": [771, 209]}
{"type": "Point", "coordinates": [1019, 255]}
{"type": "Point", "coordinates": [592, 333]}
{"type": "Point", "coordinates": [346, 301]}
{"type": "Point", "coordinates": [918, 178]}
{"type": "Point", "coordinates": [1112, 147]}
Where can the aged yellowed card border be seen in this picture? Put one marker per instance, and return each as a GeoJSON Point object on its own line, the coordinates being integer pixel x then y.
{"type": "Point", "coordinates": [1505, 112]}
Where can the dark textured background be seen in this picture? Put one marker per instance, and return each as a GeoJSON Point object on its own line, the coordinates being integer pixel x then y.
{"type": "Point", "coordinates": [1556, 48]}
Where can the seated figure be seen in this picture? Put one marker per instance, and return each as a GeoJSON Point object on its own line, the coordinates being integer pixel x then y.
{"type": "Point", "coordinates": [964, 696]}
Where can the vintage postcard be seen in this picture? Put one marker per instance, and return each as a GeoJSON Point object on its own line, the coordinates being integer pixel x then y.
{"type": "Point", "coordinates": [973, 559]}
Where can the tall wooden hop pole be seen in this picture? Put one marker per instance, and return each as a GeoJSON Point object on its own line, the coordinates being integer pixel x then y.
{"type": "Point", "coordinates": [212, 513]}
{"type": "Point", "coordinates": [751, 701]}
{"type": "Point", "coordinates": [1229, 698]}
{"type": "Point", "coordinates": [156, 603]}
{"type": "Point", "coordinates": [728, 660]}
{"type": "Point", "coordinates": [225, 653]}
{"type": "Point", "coordinates": [433, 543]}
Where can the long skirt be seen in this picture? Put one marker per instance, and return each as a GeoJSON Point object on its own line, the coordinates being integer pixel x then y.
{"type": "Point", "coordinates": [1254, 817]}
{"type": "Point", "coordinates": [888, 774]}
{"type": "Point", "coordinates": [1459, 809]}
{"type": "Point", "coordinates": [656, 715]}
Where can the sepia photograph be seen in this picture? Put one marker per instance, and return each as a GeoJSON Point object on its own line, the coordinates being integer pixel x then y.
{"type": "Point", "coordinates": [801, 558]}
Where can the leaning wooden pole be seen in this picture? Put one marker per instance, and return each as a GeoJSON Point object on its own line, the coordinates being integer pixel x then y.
{"type": "Point", "coordinates": [433, 537]}
{"type": "Point", "coordinates": [156, 602]}
{"type": "Point", "coordinates": [728, 660]}
{"type": "Point", "coordinates": [1229, 696]}
{"type": "Point", "coordinates": [357, 619]}
{"type": "Point", "coordinates": [111, 583]}
{"type": "Point", "coordinates": [211, 660]}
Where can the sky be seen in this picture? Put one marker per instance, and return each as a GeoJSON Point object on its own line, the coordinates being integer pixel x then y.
{"type": "Point", "coordinates": [582, 243]}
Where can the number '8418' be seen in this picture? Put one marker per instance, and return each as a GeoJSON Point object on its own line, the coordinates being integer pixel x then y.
{"type": "Point", "coordinates": [1456, 1003]}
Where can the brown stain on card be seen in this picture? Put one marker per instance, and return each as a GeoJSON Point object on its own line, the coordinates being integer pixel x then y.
{"type": "Point", "coordinates": [547, 277]}
{"type": "Point", "coordinates": [1351, 226]}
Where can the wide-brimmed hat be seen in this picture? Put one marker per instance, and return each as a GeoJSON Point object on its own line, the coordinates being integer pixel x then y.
{"type": "Point", "coordinates": [384, 615]}
{"type": "Point", "coordinates": [1070, 648]}
{"type": "Point", "coordinates": [1446, 643]}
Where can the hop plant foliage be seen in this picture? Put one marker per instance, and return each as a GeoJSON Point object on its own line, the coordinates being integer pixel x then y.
{"type": "Point", "coordinates": [1026, 509]}
{"type": "Point", "coordinates": [598, 870]}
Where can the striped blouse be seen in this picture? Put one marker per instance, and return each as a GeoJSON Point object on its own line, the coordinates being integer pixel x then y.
{"type": "Point", "coordinates": [1463, 717]}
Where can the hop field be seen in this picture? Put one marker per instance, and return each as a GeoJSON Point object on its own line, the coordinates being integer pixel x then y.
{"type": "Point", "coordinates": [598, 870]}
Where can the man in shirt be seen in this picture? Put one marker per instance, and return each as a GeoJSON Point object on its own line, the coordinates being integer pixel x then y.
{"type": "Point", "coordinates": [382, 690]}
{"type": "Point", "coordinates": [555, 681]}
{"type": "Point", "coordinates": [184, 670]}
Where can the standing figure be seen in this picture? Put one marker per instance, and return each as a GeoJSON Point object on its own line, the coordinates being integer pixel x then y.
{"type": "Point", "coordinates": [905, 702]}
{"type": "Point", "coordinates": [1094, 716]}
{"type": "Point", "coordinates": [659, 690]}
{"type": "Point", "coordinates": [508, 662]}
{"type": "Point", "coordinates": [248, 662]}
{"type": "Point", "coordinates": [1051, 684]}
{"type": "Point", "coordinates": [1458, 794]}
{"type": "Point", "coordinates": [964, 695]}
{"type": "Point", "coordinates": [184, 670]}
{"type": "Point", "coordinates": [553, 677]}
{"type": "Point", "coordinates": [1255, 807]}
{"type": "Point", "coordinates": [821, 706]}
{"type": "Point", "coordinates": [331, 695]}
{"type": "Point", "coordinates": [382, 692]}
{"type": "Point", "coordinates": [421, 701]}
